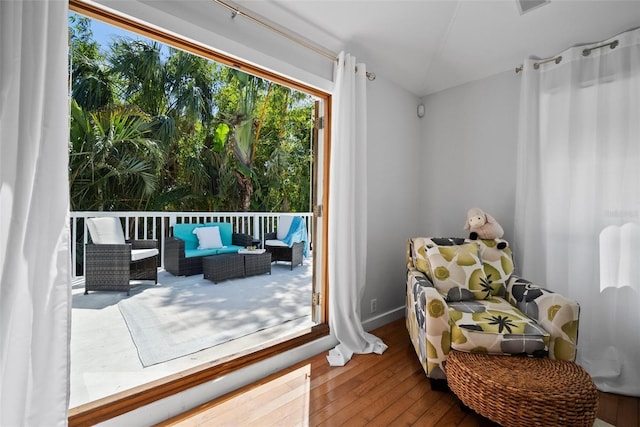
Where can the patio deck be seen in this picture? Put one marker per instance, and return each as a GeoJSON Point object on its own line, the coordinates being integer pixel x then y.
{"type": "Point", "coordinates": [104, 358]}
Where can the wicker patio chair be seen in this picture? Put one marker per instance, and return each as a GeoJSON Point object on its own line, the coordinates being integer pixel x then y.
{"type": "Point", "coordinates": [112, 262]}
{"type": "Point", "coordinates": [283, 246]}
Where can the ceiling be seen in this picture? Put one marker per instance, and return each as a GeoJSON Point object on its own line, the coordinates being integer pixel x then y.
{"type": "Point", "coordinates": [427, 46]}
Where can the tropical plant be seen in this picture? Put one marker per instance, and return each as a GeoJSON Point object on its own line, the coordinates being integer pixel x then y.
{"type": "Point", "coordinates": [112, 155]}
{"type": "Point", "coordinates": [90, 79]}
{"type": "Point", "coordinates": [215, 138]}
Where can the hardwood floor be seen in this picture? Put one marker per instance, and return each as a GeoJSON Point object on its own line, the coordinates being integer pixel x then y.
{"type": "Point", "coordinates": [374, 390]}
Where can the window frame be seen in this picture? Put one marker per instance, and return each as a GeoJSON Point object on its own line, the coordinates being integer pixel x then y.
{"type": "Point", "coordinates": [117, 404]}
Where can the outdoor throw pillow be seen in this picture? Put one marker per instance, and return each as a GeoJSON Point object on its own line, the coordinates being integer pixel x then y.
{"type": "Point", "coordinates": [457, 272]}
{"type": "Point", "coordinates": [208, 238]}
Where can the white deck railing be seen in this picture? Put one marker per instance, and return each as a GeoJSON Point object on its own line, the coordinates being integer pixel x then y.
{"type": "Point", "coordinates": [157, 225]}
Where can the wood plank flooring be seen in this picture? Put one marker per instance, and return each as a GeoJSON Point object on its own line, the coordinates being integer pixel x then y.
{"type": "Point", "coordinates": [373, 390]}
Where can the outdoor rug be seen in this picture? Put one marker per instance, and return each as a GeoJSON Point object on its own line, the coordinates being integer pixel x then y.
{"type": "Point", "coordinates": [180, 316]}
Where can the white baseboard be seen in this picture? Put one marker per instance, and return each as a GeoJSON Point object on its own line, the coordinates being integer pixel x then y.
{"type": "Point", "coordinates": [383, 318]}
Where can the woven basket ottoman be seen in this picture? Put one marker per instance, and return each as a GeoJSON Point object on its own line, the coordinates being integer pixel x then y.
{"type": "Point", "coordinates": [523, 391]}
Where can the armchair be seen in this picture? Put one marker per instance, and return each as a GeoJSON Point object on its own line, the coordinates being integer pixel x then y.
{"type": "Point", "coordinates": [463, 295]}
{"type": "Point", "coordinates": [112, 262]}
{"type": "Point", "coordinates": [289, 241]}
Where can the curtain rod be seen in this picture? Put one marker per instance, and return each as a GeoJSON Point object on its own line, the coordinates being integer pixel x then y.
{"type": "Point", "coordinates": [558, 59]}
{"type": "Point", "coordinates": [236, 10]}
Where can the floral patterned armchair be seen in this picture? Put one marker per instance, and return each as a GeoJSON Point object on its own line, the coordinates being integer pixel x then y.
{"type": "Point", "coordinates": [463, 295]}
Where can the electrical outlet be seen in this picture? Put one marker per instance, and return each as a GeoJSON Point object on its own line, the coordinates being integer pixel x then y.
{"type": "Point", "coordinates": [374, 305]}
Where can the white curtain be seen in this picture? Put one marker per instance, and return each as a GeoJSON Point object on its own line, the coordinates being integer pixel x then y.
{"type": "Point", "coordinates": [578, 198]}
{"type": "Point", "coordinates": [35, 289]}
{"type": "Point", "coordinates": [347, 237]}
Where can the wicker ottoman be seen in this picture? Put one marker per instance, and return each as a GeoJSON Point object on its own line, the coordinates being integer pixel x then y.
{"type": "Point", "coordinates": [222, 267]}
{"type": "Point", "coordinates": [256, 262]}
{"type": "Point", "coordinates": [523, 391]}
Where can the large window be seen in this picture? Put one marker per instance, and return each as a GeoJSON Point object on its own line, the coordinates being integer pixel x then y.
{"type": "Point", "coordinates": [200, 136]}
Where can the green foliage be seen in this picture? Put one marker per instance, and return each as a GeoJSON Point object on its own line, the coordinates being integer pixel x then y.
{"type": "Point", "coordinates": [156, 128]}
{"type": "Point", "coordinates": [113, 162]}
{"type": "Point", "coordinates": [91, 83]}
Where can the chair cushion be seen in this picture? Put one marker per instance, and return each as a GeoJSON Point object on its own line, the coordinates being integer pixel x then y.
{"type": "Point", "coordinates": [419, 251]}
{"type": "Point", "coordinates": [457, 272]}
{"type": "Point", "coordinates": [275, 243]}
{"type": "Point", "coordinates": [191, 253]}
{"type": "Point", "coordinates": [185, 232]}
{"type": "Point", "coordinates": [231, 249]}
{"type": "Point", "coordinates": [105, 231]}
{"type": "Point", "coordinates": [284, 223]}
{"type": "Point", "coordinates": [497, 265]}
{"type": "Point", "coordinates": [138, 254]}
{"type": "Point", "coordinates": [208, 238]}
{"type": "Point", "coordinates": [494, 326]}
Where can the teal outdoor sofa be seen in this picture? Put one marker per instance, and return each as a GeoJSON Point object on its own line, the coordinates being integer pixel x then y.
{"type": "Point", "coordinates": [182, 256]}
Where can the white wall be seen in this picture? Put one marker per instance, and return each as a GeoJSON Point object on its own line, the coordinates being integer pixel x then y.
{"type": "Point", "coordinates": [469, 138]}
{"type": "Point", "coordinates": [393, 168]}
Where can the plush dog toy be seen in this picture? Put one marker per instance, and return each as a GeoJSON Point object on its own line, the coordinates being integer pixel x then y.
{"type": "Point", "coordinates": [483, 226]}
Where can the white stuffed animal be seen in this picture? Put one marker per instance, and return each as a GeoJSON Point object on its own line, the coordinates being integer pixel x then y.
{"type": "Point", "coordinates": [481, 225]}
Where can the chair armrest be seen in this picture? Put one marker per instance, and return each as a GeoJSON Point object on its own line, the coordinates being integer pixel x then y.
{"type": "Point", "coordinates": [270, 236]}
{"type": "Point", "coordinates": [108, 254]}
{"type": "Point", "coordinates": [556, 313]}
{"type": "Point", "coordinates": [432, 317]}
{"type": "Point", "coordinates": [436, 323]}
{"type": "Point", "coordinates": [143, 244]}
{"type": "Point", "coordinates": [241, 239]}
{"type": "Point", "coordinates": [175, 245]}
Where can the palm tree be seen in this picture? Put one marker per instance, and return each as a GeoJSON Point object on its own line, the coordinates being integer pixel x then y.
{"type": "Point", "coordinates": [283, 156]}
{"type": "Point", "coordinates": [245, 132]}
{"type": "Point", "coordinates": [112, 154]}
{"type": "Point", "coordinates": [91, 81]}
{"type": "Point", "coordinates": [230, 141]}
{"type": "Point", "coordinates": [176, 89]}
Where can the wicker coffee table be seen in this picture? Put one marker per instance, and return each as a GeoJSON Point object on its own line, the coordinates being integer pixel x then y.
{"type": "Point", "coordinates": [222, 267]}
{"type": "Point", "coordinates": [230, 266]}
{"type": "Point", "coordinates": [256, 262]}
{"type": "Point", "coordinates": [523, 391]}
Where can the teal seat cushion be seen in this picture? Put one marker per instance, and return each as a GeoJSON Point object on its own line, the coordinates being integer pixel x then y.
{"type": "Point", "coordinates": [231, 249]}
{"type": "Point", "coordinates": [190, 253]}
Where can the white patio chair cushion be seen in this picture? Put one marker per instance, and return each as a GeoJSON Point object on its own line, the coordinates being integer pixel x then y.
{"type": "Point", "coordinates": [138, 254]}
{"type": "Point", "coordinates": [284, 224]}
{"type": "Point", "coordinates": [106, 231]}
{"type": "Point", "coordinates": [275, 243]}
